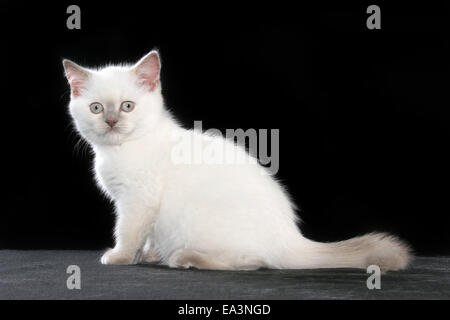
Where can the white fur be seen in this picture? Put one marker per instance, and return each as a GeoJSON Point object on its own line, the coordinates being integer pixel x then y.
{"type": "Point", "coordinates": [222, 216]}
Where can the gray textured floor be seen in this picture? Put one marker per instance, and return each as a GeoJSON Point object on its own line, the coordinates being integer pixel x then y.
{"type": "Point", "coordinates": [42, 275]}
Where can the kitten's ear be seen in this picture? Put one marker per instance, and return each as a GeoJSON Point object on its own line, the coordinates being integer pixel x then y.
{"type": "Point", "coordinates": [147, 70]}
{"type": "Point", "coordinates": [76, 75]}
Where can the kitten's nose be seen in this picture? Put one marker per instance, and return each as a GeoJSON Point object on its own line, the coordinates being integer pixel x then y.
{"type": "Point", "coordinates": [111, 122]}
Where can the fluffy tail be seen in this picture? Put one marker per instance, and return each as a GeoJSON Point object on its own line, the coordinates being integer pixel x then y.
{"type": "Point", "coordinates": [384, 250]}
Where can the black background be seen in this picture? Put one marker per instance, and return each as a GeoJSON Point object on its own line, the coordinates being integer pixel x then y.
{"type": "Point", "coordinates": [363, 114]}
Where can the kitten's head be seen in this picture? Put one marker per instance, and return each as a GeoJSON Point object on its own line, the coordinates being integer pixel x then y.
{"type": "Point", "coordinates": [117, 103]}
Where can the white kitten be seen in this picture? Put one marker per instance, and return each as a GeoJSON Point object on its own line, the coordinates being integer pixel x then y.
{"type": "Point", "coordinates": [221, 216]}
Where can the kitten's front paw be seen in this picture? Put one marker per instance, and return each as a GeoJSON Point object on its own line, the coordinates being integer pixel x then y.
{"type": "Point", "coordinates": [113, 256]}
{"type": "Point", "coordinates": [179, 259]}
{"type": "Point", "coordinates": [150, 257]}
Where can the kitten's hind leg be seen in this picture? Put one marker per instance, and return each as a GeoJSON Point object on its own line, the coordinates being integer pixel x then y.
{"type": "Point", "coordinates": [186, 258]}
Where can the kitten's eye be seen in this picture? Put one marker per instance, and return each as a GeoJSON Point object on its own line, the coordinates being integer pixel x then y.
{"type": "Point", "coordinates": [127, 106]}
{"type": "Point", "coordinates": [96, 107]}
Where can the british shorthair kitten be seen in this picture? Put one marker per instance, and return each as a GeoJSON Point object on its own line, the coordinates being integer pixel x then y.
{"type": "Point", "coordinates": [225, 216]}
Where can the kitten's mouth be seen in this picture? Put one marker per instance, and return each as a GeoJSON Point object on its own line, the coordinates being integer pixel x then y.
{"type": "Point", "coordinates": [113, 129]}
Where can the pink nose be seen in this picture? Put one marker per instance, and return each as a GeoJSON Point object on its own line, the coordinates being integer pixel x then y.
{"type": "Point", "coordinates": [111, 122]}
